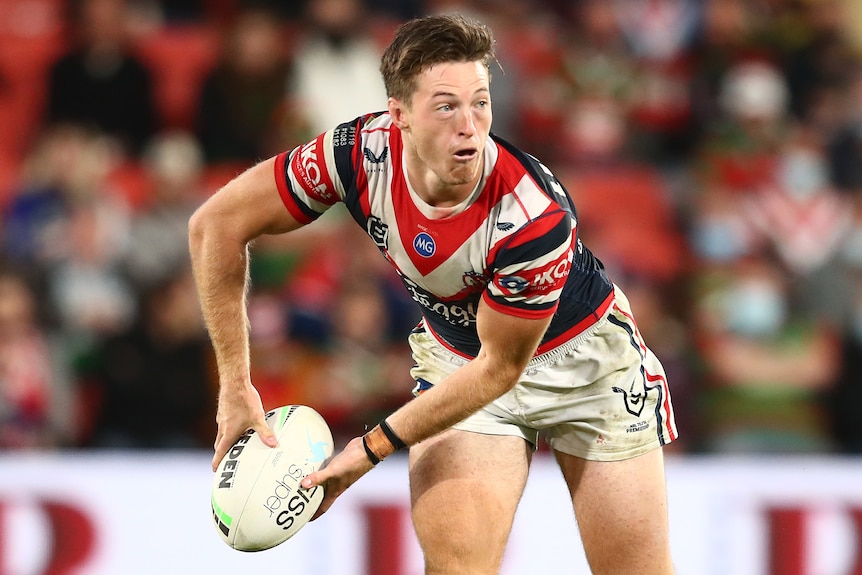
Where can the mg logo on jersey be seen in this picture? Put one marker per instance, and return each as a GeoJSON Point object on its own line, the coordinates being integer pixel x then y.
{"type": "Point", "coordinates": [424, 244]}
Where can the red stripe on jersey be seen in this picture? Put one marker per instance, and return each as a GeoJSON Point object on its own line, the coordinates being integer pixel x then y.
{"type": "Point", "coordinates": [362, 184]}
{"type": "Point", "coordinates": [287, 197]}
{"type": "Point", "coordinates": [442, 342]}
{"type": "Point", "coordinates": [527, 313]}
{"type": "Point", "coordinates": [579, 327]}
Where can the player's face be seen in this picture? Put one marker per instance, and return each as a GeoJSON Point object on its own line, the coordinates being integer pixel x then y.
{"type": "Point", "coordinates": [445, 127]}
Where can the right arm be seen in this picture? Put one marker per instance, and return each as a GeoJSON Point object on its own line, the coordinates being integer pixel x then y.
{"type": "Point", "coordinates": [219, 235]}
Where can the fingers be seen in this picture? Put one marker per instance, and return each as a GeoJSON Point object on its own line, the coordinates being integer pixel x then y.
{"type": "Point", "coordinates": [237, 413]}
{"type": "Point", "coordinates": [265, 433]}
{"type": "Point", "coordinates": [339, 474]}
{"type": "Point", "coordinates": [330, 491]}
{"type": "Point", "coordinates": [313, 479]}
{"type": "Point", "coordinates": [221, 446]}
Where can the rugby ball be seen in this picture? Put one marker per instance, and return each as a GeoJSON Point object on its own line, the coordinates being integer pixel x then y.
{"type": "Point", "coordinates": [257, 502]}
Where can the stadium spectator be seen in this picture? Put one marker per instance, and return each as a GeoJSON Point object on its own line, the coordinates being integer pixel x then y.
{"type": "Point", "coordinates": [244, 112]}
{"type": "Point", "coordinates": [30, 383]}
{"type": "Point", "coordinates": [152, 381]}
{"type": "Point", "coordinates": [63, 213]}
{"type": "Point", "coordinates": [766, 367]}
{"type": "Point", "coordinates": [99, 83]}
{"type": "Point", "coordinates": [173, 176]}
{"type": "Point", "coordinates": [845, 398]}
{"type": "Point", "coordinates": [335, 48]}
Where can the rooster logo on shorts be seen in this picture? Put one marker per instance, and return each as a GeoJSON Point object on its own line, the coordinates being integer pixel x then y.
{"type": "Point", "coordinates": [635, 399]}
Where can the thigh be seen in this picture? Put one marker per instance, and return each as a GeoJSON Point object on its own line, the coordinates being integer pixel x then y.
{"type": "Point", "coordinates": [621, 507]}
{"type": "Point", "coordinates": [465, 488]}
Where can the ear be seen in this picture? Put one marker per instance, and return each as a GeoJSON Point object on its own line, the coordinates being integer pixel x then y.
{"type": "Point", "coordinates": [399, 113]}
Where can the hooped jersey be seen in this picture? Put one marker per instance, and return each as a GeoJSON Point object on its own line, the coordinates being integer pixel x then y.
{"type": "Point", "coordinates": [515, 245]}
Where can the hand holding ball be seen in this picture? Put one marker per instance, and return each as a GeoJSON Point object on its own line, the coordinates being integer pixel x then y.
{"type": "Point", "coordinates": [257, 501]}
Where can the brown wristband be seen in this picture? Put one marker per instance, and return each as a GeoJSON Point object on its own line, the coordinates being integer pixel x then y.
{"type": "Point", "coordinates": [377, 443]}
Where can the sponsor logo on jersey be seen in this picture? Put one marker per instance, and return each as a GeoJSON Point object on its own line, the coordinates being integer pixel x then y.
{"type": "Point", "coordinates": [512, 284]}
{"type": "Point", "coordinates": [306, 166]}
{"type": "Point", "coordinates": [369, 155]}
{"type": "Point", "coordinates": [474, 280]}
{"type": "Point", "coordinates": [461, 313]}
{"type": "Point", "coordinates": [424, 244]}
{"type": "Point", "coordinates": [505, 226]}
{"type": "Point", "coordinates": [552, 275]}
{"type": "Point", "coordinates": [379, 232]}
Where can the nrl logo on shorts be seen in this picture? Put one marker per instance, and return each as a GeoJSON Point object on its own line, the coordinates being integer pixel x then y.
{"type": "Point", "coordinates": [379, 232]}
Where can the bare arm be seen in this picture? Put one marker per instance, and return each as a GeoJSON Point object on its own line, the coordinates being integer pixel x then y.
{"type": "Point", "coordinates": [508, 344]}
{"type": "Point", "coordinates": [219, 234]}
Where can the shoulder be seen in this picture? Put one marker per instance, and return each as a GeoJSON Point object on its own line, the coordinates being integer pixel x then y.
{"type": "Point", "coordinates": [526, 177]}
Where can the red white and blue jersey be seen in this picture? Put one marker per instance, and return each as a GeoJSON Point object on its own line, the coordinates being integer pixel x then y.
{"type": "Point", "coordinates": [515, 245]}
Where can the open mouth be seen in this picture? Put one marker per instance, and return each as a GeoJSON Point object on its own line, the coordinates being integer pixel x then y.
{"type": "Point", "coordinates": [467, 154]}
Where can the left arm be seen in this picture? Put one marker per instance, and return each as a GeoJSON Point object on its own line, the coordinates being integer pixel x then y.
{"type": "Point", "coordinates": [508, 344]}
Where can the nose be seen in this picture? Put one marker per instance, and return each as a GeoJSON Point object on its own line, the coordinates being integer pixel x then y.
{"type": "Point", "coordinates": [467, 125]}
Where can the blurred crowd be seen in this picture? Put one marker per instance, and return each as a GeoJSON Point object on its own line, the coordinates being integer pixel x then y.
{"type": "Point", "coordinates": [713, 149]}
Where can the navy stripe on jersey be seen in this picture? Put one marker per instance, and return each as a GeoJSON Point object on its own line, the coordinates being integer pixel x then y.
{"type": "Point", "coordinates": [559, 232]}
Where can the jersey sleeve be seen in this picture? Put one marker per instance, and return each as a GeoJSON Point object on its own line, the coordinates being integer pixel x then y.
{"type": "Point", "coordinates": [312, 177]}
{"type": "Point", "coordinates": [529, 272]}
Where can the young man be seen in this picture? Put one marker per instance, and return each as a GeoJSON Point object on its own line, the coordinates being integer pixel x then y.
{"type": "Point", "coordinates": [522, 332]}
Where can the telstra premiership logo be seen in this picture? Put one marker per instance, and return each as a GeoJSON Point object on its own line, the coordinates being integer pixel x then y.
{"type": "Point", "coordinates": [424, 245]}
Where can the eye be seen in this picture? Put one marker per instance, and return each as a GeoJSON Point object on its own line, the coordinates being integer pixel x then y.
{"type": "Point", "coordinates": [444, 107]}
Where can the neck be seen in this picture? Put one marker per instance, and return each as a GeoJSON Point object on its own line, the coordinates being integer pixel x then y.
{"type": "Point", "coordinates": [434, 190]}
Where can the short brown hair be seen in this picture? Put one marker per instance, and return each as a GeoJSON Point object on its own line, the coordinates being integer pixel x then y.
{"type": "Point", "coordinates": [424, 42]}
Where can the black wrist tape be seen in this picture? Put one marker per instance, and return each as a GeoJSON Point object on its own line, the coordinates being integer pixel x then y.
{"type": "Point", "coordinates": [396, 441]}
{"type": "Point", "coordinates": [371, 456]}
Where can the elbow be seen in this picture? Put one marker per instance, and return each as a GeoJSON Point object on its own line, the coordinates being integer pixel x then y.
{"type": "Point", "coordinates": [505, 375]}
{"type": "Point", "coordinates": [208, 228]}
{"type": "Point", "coordinates": [197, 230]}
{"type": "Point", "coordinates": [510, 378]}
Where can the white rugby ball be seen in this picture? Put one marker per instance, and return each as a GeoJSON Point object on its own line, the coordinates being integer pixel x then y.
{"type": "Point", "coordinates": [257, 502]}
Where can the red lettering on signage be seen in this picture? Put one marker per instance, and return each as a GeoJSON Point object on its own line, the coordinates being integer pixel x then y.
{"type": "Point", "coordinates": [384, 539]}
{"type": "Point", "coordinates": [786, 541]}
{"type": "Point", "coordinates": [73, 538]}
{"type": "Point", "coordinates": [788, 546]}
{"type": "Point", "coordinates": [856, 515]}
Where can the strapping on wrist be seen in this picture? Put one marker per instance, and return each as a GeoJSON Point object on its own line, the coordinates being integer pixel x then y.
{"type": "Point", "coordinates": [381, 442]}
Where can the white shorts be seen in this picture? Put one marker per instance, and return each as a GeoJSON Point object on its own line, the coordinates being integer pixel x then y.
{"type": "Point", "coordinates": [602, 395]}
